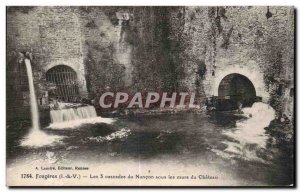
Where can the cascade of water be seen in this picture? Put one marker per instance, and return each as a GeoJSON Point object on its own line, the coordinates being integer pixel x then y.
{"type": "Point", "coordinates": [252, 129]}
{"type": "Point", "coordinates": [77, 115]}
{"type": "Point", "coordinates": [33, 102]}
{"type": "Point", "coordinates": [73, 117]}
{"type": "Point", "coordinates": [36, 137]}
{"type": "Point", "coordinates": [72, 114]}
{"type": "Point", "coordinates": [249, 135]}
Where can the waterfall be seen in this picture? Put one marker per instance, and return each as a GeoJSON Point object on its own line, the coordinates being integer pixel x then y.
{"type": "Point", "coordinates": [33, 103]}
{"type": "Point", "coordinates": [252, 130]}
{"type": "Point", "coordinates": [72, 114]}
{"type": "Point", "coordinates": [36, 137]}
{"type": "Point", "coordinates": [69, 115]}
{"type": "Point", "coordinates": [65, 117]}
{"type": "Point", "coordinates": [249, 135]}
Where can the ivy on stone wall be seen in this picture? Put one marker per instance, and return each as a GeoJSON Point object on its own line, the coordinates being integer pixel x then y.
{"type": "Point", "coordinates": [102, 72]}
{"type": "Point", "coordinates": [156, 51]}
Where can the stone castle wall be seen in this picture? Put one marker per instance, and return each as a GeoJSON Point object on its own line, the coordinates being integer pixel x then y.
{"type": "Point", "coordinates": [158, 47]}
{"type": "Point", "coordinates": [257, 42]}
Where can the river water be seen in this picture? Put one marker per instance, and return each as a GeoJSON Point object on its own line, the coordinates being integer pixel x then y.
{"type": "Point", "coordinates": [223, 144]}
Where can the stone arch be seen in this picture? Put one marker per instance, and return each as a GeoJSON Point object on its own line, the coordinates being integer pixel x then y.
{"type": "Point", "coordinates": [65, 80]}
{"type": "Point", "coordinates": [77, 66]}
{"type": "Point", "coordinates": [237, 87]}
{"type": "Point", "coordinates": [252, 73]}
{"type": "Point", "coordinates": [54, 64]}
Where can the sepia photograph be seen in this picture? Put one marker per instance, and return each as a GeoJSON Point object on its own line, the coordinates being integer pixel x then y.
{"type": "Point", "coordinates": [150, 96]}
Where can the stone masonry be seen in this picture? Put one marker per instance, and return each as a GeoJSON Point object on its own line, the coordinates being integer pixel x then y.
{"type": "Point", "coordinates": [141, 48]}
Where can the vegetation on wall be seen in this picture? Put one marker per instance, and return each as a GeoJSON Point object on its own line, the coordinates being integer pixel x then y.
{"type": "Point", "coordinates": [157, 48]}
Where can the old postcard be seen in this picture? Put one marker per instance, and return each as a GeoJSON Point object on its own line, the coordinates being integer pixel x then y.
{"type": "Point", "coordinates": [150, 96]}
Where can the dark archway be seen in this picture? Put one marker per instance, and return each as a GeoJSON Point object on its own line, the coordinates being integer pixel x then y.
{"type": "Point", "coordinates": [237, 88]}
{"type": "Point", "coordinates": [66, 84]}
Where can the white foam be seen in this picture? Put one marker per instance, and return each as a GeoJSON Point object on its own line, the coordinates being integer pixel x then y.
{"type": "Point", "coordinates": [123, 133]}
{"type": "Point", "coordinates": [251, 130]}
{"type": "Point", "coordinates": [249, 134]}
{"type": "Point", "coordinates": [39, 139]}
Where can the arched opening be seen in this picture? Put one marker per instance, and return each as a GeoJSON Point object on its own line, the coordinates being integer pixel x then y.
{"type": "Point", "coordinates": [236, 88]}
{"type": "Point", "coordinates": [64, 78]}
